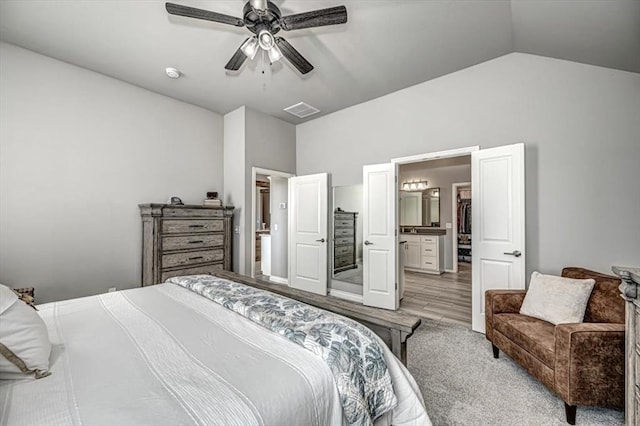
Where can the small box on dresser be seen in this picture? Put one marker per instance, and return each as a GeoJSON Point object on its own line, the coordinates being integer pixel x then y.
{"type": "Point", "coordinates": [184, 240]}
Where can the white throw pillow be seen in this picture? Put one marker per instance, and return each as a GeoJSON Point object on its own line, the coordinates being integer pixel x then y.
{"type": "Point", "coordinates": [557, 300]}
{"type": "Point", "coordinates": [24, 340]}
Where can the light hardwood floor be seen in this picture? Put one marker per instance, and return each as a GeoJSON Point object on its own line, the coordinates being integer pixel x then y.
{"type": "Point", "coordinates": [445, 297]}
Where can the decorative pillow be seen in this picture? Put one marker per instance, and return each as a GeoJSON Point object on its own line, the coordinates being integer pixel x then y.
{"type": "Point", "coordinates": [24, 340]}
{"type": "Point", "coordinates": [557, 300]}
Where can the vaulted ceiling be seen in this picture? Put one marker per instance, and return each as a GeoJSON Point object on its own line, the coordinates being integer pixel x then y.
{"type": "Point", "coordinates": [386, 45]}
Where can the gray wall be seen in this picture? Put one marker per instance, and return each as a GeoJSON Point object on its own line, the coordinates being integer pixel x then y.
{"type": "Point", "coordinates": [279, 219]}
{"type": "Point", "coordinates": [78, 152]}
{"type": "Point", "coordinates": [438, 174]}
{"type": "Point", "coordinates": [580, 125]}
{"type": "Point", "coordinates": [255, 140]}
{"type": "Point", "coordinates": [234, 180]}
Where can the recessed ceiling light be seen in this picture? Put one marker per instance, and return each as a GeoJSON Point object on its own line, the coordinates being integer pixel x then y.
{"type": "Point", "coordinates": [173, 72]}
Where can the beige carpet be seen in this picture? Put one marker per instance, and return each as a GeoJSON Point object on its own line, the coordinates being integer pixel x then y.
{"type": "Point", "coordinates": [463, 384]}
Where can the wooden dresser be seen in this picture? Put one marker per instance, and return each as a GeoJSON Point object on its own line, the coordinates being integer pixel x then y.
{"type": "Point", "coordinates": [630, 289]}
{"type": "Point", "coordinates": [184, 240]}
{"type": "Point", "coordinates": [344, 241]}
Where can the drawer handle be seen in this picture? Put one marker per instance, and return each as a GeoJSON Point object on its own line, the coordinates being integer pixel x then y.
{"type": "Point", "coordinates": [428, 250]}
{"type": "Point", "coordinates": [196, 226]}
{"type": "Point", "coordinates": [196, 258]}
{"type": "Point", "coordinates": [196, 242]}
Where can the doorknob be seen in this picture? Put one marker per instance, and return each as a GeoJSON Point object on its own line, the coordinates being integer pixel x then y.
{"type": "Point", "coordinates": [321, 240]}
{"type": "Point", "coordinates": [367, 243]}
{"type": "Point", "coordinates": [515, 253]}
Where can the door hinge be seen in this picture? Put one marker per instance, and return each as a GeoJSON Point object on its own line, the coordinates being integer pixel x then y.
{"type": "Point", "coordinates": [396, 232]}
{"type": "Point", "coordinates": [396, 286]}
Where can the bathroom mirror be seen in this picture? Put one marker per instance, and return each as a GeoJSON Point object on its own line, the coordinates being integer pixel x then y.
{"type": "Point", "coordinates": [420, 208]}
{"type": "Point", "coordinates": [346, 253]}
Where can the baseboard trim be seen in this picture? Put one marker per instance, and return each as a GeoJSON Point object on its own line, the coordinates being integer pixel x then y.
{"type": "Point", "coordinates": [345, 295]}
{"type": "Point", "coordinates": [279, 280]}
{"type": "Point", "coordinates": [450, 270]}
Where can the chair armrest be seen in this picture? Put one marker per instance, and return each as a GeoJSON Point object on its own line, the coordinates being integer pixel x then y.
{"type": "Point", "coordinates": [589, 367]}
{"type": "Point", "coordinates": [500, 302]}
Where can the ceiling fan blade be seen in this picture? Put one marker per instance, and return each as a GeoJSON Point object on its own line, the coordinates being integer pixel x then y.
{"type": "Point", "coordinates": [237, 59]}
{"type": "Point", "coordinates": [296, 59]}
{"type": "Point", "coordinates": [192, 12]}
{"type": "Point", "coordinates": [315, 18]}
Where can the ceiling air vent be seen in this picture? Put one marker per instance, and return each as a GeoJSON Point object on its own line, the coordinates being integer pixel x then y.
{"type": "Point", "coordinates": [302, 110]}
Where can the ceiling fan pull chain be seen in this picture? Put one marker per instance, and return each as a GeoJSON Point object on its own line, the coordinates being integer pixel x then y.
{"type": "Point", "coordinates": [264, 81]}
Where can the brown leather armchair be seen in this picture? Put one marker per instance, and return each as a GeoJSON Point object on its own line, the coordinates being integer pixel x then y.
{"type": "Point", "coordinates": [582, 363]}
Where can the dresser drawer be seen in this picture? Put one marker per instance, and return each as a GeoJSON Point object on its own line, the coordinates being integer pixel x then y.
{"type": "Point", "coordinates": [637, 363]}
{"type": "Point", "coordinates": [344, 232]}
{"type": "Point", "coordinates": [191, 258]}
{"type": "Point", "coordinates": [637, 328]}
{"type": "Point", "coordinates": [178, 212]}
{"type": "Point", "coordinates": [429, 250]}
{"type": "Point", "coordinates": [343, 216]}
{"type": "Point", "coordinates": [192, 241]}
{"type": "Point", "coordinates": [344, 250]}
{"type": "Point", "coordinates": [433, 239]}
{"type": "Point", "coordinates": [177, 226]}
{"type": "Point", "coordinates": [343, 240]}
{"type": "Point", "coordinates": [429, 263]}
{"type": "Point", "coordinates": [343, 223]}
{"type": "Point", "coordinates": [343, 261]}
{"type": "Point", "coordinates": [198, 270]}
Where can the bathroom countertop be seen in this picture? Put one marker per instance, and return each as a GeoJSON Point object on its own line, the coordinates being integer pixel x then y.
{"type": "Point", "coordinates": [424, 231]}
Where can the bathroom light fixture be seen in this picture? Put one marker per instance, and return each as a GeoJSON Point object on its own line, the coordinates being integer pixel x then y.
{"type": "Point", "coordinates": [414, 185]}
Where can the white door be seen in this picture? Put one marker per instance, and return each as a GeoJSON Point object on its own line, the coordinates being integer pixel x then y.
{"type": "Point", "coordinates": [497, 224]}
{"type": "Point", "coordinates": [308, 233]}
{"type": "Point", "coordinates": [379, 254]}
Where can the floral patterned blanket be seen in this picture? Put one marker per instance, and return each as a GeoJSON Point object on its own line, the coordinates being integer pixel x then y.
{"type": "Point", "coordinates": [351, 350]}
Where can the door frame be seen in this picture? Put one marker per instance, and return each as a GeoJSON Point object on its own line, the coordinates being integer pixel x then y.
{"type": "Point", "coordinates": [254, 202]}
{"type": "Point", "coordinates": [454, 230]}
{"type": "Point", "coordinates": [457, 152]}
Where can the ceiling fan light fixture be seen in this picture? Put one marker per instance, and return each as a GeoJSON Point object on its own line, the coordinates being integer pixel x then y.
{"type": "Point", "coordinates": [274, 54]}
{"type": "Point", "coordinates": [250, 47]}
{"type": "Point", "coordinates": [266, 40]}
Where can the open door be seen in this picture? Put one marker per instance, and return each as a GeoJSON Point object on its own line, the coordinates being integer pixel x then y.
{"type": "Point", "coordinates": [379, 255]}
{"type": "Point", "coordinates": [498, 224]}
{"type": "Point", "coordinates": [308, 233]}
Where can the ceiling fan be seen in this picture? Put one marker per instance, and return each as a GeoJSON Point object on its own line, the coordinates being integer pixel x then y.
{"type": "Point", "coordinates": [264, 20]}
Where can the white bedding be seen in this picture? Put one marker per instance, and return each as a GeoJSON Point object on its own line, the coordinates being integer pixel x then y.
{"type": "Point", "coordinates": [163, 355]}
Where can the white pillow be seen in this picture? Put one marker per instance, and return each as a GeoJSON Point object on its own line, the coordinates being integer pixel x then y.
{"type": "Point", "coordinates": [24, 340]}
{"type": "Point", "coordinates": [557, 300]}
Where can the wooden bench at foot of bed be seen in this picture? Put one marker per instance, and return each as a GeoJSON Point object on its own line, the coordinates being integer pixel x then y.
{"type": "Point", "coordinates": [392, 326]}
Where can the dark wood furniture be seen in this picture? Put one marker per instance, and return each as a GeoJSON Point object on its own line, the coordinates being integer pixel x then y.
{"type": "Point", "coordinates": [630, 289]}
{"type": "Point", "coordinates": [184, 240]}
{"type": "Point", "coordinates": [582, 363]}
{"type": "Point", "coordinates": [393, 327]}
{"type": "Point", "coordinates": [344, 241]}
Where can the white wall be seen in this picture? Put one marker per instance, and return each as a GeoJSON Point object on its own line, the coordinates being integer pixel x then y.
{"type": "Point", "coordinates": [257, 140]}
{"type": "Point", "coordinates": [234, 181]}
{"type": "Point", "coordinates": [78, 152]}
{"type": "Point", "coordinates": [580, 125]}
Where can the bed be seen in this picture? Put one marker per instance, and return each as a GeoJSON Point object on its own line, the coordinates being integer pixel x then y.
{"type": "Point", "coordinates": [190, 352]}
